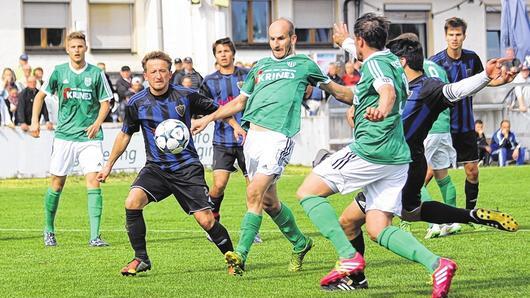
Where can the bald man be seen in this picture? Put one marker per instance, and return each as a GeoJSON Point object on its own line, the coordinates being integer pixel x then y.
{"type": "Point", "coordinates": [270, 99]}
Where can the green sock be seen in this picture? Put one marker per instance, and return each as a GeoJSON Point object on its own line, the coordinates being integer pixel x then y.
{"type": "Point", "coordinates": [448, 190]}
{"type": "Point", "coordinates": [405, 245]}
{"type": "Point", "coordinates": [51, 201]}
{"type": "Point", "coordinates": [95, 206]}
{"type": "Point", "coordinates": [287, 224]}
{"type": "Point", "coordinates": [425, 196]}
{"type": "Point", "coordinates": [325, 219]}
{"type": "Point", "coordinates": [249, 228]}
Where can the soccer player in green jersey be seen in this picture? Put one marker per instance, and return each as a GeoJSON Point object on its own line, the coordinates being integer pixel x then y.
{"type": "Point", "coordinates": [271, 99]}
{"type": "Point", "coordinates": [84, 96]}
{"type": "Point", "coordinates": [376, 161]}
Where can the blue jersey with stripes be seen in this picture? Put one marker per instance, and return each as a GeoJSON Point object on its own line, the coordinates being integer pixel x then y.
{"type": "Point", "coordinates": [425, 102]}
{"type": "Point", "coordinates": [469, 64]}
{"type": "Point", "coordinates": [223, 89]}
{"type": "Point", "coordinates": [145, 110]}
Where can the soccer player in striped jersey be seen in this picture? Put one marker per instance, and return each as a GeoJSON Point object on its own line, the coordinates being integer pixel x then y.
{"type": "Point", "coordinates": [84, 96]}
{"type": "Point", "coordinates": [459, 64]}
{"type": "Point", "coordinates": [223, 86]}
{"type": "Point", "coordinates": [164, 174]}
{"type": "Point", "coordinates": [427, 99]}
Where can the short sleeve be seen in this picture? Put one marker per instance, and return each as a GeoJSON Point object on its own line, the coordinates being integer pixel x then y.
{"type": "Point", "coordinates": [204, 89]}
{"type": "Point", "coordinates": [50, 86]}
{"type": "Point", "coordinates": [381, 72]}
{"type": "Point", "coordinates": [315, 76]}
{"type": "Point", "coordinates": [201, 105]}
{"type": "Point", "coordinates": [131, 124]}
{"type": "Point", "coordinates": [248, 84]}
{"type": "Point", "coordinates": [102, 88]}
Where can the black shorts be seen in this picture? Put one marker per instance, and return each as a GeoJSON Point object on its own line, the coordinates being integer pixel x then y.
{"type": "Point", "coordinates": [187, 185]}
{"type": "Point", "coordinates": [465, 144]}
{"type": "Point", "coordinates": [224, 158]}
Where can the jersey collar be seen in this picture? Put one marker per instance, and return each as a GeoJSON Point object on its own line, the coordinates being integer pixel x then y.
{"type": "Point", "coordinates": [378, 53]}
{"type": "Point", "coordinates": [75, 70]}
{"type": "Point", "coordinates": [284, 58]}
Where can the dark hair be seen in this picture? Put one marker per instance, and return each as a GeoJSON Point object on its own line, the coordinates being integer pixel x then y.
{"type": "Point", "coordinates": [373, 29]}
{"type": "Point", "coordinates": [478, 121]}
{"type": "Point", "coordinates": [409, 49]}
{"type": "Point", "coordinates": [505, 120]}
{"type": "Point", "coordinates": [224, 41]}
{"type": "Point", "coordinates": [156, 55]}
{"type": "Point", "coordinates": [455, 22]}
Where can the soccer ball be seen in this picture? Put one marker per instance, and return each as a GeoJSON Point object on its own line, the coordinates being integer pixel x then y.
{"type": "Point", "coordinates": [172, 136]}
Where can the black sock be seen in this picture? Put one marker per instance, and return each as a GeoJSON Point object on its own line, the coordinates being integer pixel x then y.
{"type": "Point", "coordinates": [136, 230]}
{"type": "Point", "coordinates": [440, 213]}
{"type": "Point", "coordinates": [220, 237]}
{"type": "Point", "coordinates": [217, 206]}
{"type": "Point", "coordinates": [358, 243]}
{"type": "Point", "coordinates": [471, 190]}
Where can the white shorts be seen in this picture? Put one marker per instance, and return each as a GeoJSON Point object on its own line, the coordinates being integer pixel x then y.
{"type": "Point", "coordinates": [439, 151]}
{"type": "Point", "coordinates": [345, 172]}
{"type": "Point", "coordinates": [267, 152]}
{"type": "Point", "coordinates": [66, 155]}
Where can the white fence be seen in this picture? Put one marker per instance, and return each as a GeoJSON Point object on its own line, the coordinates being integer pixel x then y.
{"type": "Point", "coordinates": [23, 156]}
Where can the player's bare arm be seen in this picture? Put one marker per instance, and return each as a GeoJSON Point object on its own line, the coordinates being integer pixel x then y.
{"type": "Point", "coordinates": [239, 132]}
{"type": "Point", "coordinates": [387, 97]}
{"type": "Point", "coordinates": [120, 144]}
{"type": "Point", "coordinates": [35, 114]}
{"type": "Point", "coordinates": [349, 116]}
{"type": "Point", "coordinates": [93, 129]}
{"type": "Point", "coordinates": [230, 109]}
{"type": "Point", "coordinates": [341, 93]}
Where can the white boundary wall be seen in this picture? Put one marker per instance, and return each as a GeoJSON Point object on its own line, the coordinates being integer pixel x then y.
{"type": "Point", "coordinates": [22, 156]}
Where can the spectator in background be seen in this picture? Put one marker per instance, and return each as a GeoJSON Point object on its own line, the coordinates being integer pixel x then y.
{"type": "Point", "coordinates": [239, 64]}
{"type": "Point", "coordinates": [26, 73]}
{"type": "Point", "coordinates": [38, 73]}
{"type": "Point", "coordinates": [351, 75]}
{"type": "Point", "coordinates": [5, 118]}
{"type": "Point", "coordinates": [123, 86]}
{"type": "Point", "coordinates": [188, 70]}
{"type": "Point", "coordinates": [25, 106]}
{"type": "Point", "coordinates": [522, 92]}
{"type": "Point", "coordinates": [484, 149]}
{"type": "Point", "coordinates": [103, 67]}
{"type": "Point", "coordinates": [22, 62]}
{"type": "Point", "coordinates": [504, 146]}
{"type": "Point", "coordinates": [12, 103]}
{"type": "Point", "coordinates": [178, 68]}
{"type": "Point", "coordinates": [187, 82]}
{"type": "Point", "coordinates": [137, 85]}
{"type": "Point", "coordinates": [9, 79]}
{"type": "Point", "coordinates": [333, 73]}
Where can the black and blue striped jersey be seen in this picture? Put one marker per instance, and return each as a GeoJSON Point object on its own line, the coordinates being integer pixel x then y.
{"type": "Point", "coordinates": [469, 64]}
{"type": "Point", "coordinates": [145, 110]}
{"type": "Point", "coordinates": [425, 102]}
{"type": "Point", "coordinates": [222, 89]}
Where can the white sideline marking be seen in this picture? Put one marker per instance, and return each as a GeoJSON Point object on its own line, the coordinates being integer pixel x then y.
{"type": "Point", "coordinates": [197, 231]}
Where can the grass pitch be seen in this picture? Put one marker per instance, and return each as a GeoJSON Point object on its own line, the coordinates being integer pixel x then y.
{"type": "Point", "coordinates": [491, 263]}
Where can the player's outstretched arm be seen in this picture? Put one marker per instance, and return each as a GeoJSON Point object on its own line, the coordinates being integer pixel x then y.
{"type": "Point", "coordinates": [35, 114]}
{"type": "Point", "coordinates": [228, 110]}
{"type": "Point", "coordinates": [120, 144]}
{"type": "Point", "coordinates": [341, 93]}
{"type": "Point", "coordinates": [342, 38]}
{"type": "Point", "coordinates": [387, 97]}
{"type": "Point", "coordinates": [93, 129]}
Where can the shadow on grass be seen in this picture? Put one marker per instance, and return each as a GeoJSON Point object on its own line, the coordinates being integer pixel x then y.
{"type": "Point", "coordinates": [18, 238]}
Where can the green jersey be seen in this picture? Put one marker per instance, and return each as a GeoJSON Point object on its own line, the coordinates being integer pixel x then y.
{"type": "Point", "coordinates": [276, 88]}
{"type": "Point", "coordinates": [442, 124]}
{"type": "Point", "coordinates": [80, 93]}
{"type": "Point", "coordinates": [380, 142]}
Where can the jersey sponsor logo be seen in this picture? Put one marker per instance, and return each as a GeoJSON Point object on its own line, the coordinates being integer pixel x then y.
{"type": "Point", "coordinates": [180, 109]}
{"type": "Point", "coordinates": [276, 75]}
{"type": "Point", "coordinates": [69, 93]}
{"type": "Point", "coordinates": [88, 81]}
{"type": "Point", "coordinates": [222, 101]}
{"type": "Point", "coordinates": [291, 63]}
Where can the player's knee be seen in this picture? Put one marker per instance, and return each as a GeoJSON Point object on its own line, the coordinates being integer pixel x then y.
{"type": "Point", "coordinates": [217, 190]}
{"type": "Point", "coordinates": [472, 174]}
{"type": "Point", "coordinates": [254, 194]}
{"type": "Point", "coordinates": [205, 220]}
{"type": "Point", "coordinates": [302, 193]}
{"type": "Point", "coordinates": [134, 203]}
{"type": "Point", "coordinates": [373, 233]}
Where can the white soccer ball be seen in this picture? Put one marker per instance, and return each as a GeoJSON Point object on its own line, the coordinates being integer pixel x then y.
{"type": "Point", "coordinates": [172, 136]}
